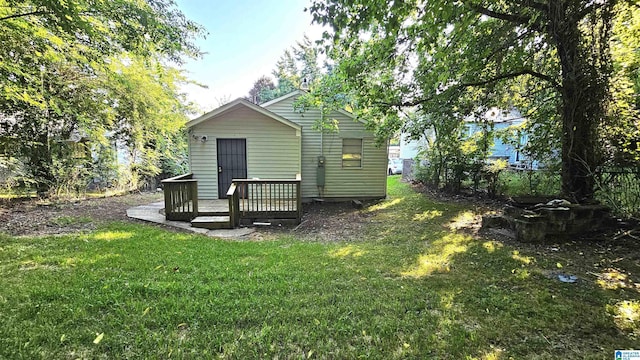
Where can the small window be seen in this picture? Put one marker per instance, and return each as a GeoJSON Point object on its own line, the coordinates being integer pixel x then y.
{"type": "Point", "coordinates": [351, 153]}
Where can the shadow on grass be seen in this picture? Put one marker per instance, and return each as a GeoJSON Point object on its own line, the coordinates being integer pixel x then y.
{"type": "Point", "coordinates": [417, 286]}
{"type": "Point", "coordinates": [503, 299]}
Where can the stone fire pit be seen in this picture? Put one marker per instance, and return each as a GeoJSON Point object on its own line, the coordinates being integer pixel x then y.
{"type": "Point", "coordinates": [533, 222]}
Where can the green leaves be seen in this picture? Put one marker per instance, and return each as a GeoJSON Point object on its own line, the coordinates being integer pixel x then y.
{"type": "Point", "coordinates": [63, 71]}
{"type": "Point", "coordinates": [446, 59]}
{"type": "Point", "coordinates": [296, 66]}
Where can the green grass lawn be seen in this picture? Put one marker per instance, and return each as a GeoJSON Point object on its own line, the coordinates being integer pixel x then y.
{"type": "Point", "coordinates": [412, 287]}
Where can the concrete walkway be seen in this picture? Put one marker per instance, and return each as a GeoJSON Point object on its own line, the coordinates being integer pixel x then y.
{"type": "Point", "coordinates": [151, 213]}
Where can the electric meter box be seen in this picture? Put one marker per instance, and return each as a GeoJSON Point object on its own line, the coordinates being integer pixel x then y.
{"type": "Point", "coordinates": [320, 171]}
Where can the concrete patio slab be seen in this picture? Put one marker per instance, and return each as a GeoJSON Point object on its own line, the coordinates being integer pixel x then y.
{"type": "Point", "coordinates": [152, 213]}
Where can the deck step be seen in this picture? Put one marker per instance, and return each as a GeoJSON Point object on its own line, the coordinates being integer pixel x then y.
{"type": "Point", "coordinates": [211, 222]}
{"type": "Point", "coordinates": [212, 213]}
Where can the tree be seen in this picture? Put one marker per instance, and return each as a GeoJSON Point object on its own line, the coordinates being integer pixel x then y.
{"type": "Point", "coordinates": [109, 27]}
{"type": "Point", "coordinates": [621, 133]}
{"type": "Point", "coordinates": [47, 97]}
{"type": "Point", "coordinates": [296, 65]}
{"type": "Point", "coordinates": [261, 89]}
{"type": "Point", "coordinates": [146, 112]}
{"type": "Point", "coordinates": [287, 73]}
{"type": "Point", "coordinates": [306, 55]}
{"type": "Point", "coordinates": [56, 62]}
{"type": "Point", "coordinates": [545, 54]}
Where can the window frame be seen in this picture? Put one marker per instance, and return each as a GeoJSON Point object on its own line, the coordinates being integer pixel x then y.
{"type": "Point", "coordinates": [342, 159]}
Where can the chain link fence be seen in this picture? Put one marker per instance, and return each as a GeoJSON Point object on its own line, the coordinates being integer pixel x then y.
{"type": "Point", "coordinates": [619, 188]}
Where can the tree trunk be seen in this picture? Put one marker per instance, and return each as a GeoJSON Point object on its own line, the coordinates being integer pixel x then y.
{"type": "Point", "coordinates": [578, 128]}
{"type": "Point", "coordinates": [582, 106]}
{"type": "Point", "coordinates": [578, 151]}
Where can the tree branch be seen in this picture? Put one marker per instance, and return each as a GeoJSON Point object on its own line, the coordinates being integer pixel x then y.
{"type": "Point", "coordinates": [415, 102]}
{"type": "Point", "coordinates": [515, 75]}
{"type": "Point", "coordinates": [37, 12]}
{"type": "Point", "coordinates": [512, 18]}
{"type": "Point", "coordinates": [404, 104]}
{"type": "Point", "coordinates": [518, 19]}
{"type": "Point", "coordinates": [593, 7]}
{"type": "Point", "coordinates": [509, 42]}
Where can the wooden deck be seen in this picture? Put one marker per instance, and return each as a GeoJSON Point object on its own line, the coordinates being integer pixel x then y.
{"type": "Point", "coordinates": [248, 200]}
{"type": "Point", "coordinates": [220, 206]}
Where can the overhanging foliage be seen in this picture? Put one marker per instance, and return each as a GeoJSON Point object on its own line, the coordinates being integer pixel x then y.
{"type": "Point", "coordinates": [447, 59]}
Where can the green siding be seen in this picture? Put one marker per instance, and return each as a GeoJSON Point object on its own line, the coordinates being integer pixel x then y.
{"type": "Point", "coordinates": [368, 181]}
{"type": "Point", "coordinates": [273, 148]}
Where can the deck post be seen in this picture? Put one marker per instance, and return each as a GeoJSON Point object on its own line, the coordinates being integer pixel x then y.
{"type": "Point", "coordinates": [194, 198]}
{"type": "Point", "coordinates": [180, 198]}
{"type": "Point", "coordinates": [234, 205]}
{"type": "Point", "coordinates": [167, 201]}
{"type": "Point", "coordinates": [299, 200]}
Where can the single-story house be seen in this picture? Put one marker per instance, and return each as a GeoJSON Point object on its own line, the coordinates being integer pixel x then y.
{"type": "Point", "coordinates": [242, 140]}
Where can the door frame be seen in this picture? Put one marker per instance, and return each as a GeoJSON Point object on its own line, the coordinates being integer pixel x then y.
{"type": "Point", "coordinates": [222, 189]}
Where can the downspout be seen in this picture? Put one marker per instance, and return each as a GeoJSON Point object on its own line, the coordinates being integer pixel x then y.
{"type": "Point", "coordinates": [320, 170]}
{"type": "Point", "coordinates": [321, 130]}
{"type": "Point", "coordinates": [321, 143]}
{"type": "Point", "coordinates": [190, 155]}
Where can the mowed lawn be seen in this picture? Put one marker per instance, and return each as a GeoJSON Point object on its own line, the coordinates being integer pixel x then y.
{"type": "Point", "coordinates": [414, 286]}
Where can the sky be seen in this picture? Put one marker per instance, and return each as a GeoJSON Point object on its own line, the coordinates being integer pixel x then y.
{"type": "Point", "coordinates": [245, 40]}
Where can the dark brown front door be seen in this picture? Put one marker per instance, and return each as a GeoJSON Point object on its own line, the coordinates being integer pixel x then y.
{"type": "Point", "coordinates": [232, 163]}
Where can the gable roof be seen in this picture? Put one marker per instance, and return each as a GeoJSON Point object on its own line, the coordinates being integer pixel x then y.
{"type": "Point", "coordinates": [283, 97]}
{"type": "Point", "coordinates": [300, 92]}
{"type": "Point", "coordinates": [240, 102]}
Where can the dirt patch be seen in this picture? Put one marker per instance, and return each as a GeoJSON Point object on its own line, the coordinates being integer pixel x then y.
{"type": "Point", "coordinates": [477, 201]}
{"type": "Point", "coordinates": [327, 222]}
{"type": "Point", "coordinates": [35, 217]}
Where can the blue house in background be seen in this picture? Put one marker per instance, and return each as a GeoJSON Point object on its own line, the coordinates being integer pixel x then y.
{"type": "Point", "coordinates": [502, 120]}
{"type": "Point", "coordinates": [499, 120]}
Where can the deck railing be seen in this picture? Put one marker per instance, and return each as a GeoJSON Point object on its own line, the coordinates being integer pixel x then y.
{"type": "Point", "coordinates": [265, 199]}
{"type": "Point", "coordinates": [233, 195]}
{"type": "Point", "coordinates": [181, 198]}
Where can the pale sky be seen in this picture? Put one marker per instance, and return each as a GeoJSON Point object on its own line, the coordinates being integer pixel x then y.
{"type": "Point", "coordinates": [246, 39]}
